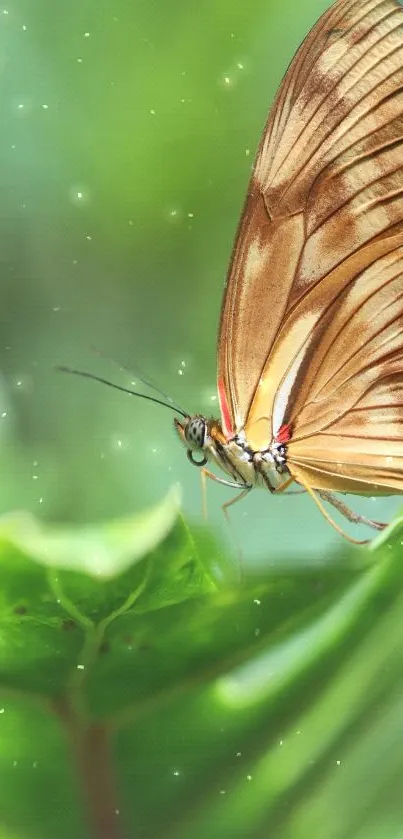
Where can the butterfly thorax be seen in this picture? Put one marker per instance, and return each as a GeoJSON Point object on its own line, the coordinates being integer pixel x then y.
{"type": "Point", "coordinates": [244, 466]}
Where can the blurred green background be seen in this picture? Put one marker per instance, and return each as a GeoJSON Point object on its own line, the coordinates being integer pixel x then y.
{"type": "Point", "coordinates": [128, 131]}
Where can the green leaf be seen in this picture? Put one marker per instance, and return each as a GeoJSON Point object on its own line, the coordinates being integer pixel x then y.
{"type": "Point", "coordinates": [102, 551]}
{"type": "Point", "coordinates": [192, 704]}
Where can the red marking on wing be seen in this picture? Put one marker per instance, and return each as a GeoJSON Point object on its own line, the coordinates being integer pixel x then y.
{"type": "Point", "coordinates": [225, 411]}
{"type": "Point", "coordinates": [284, 434]}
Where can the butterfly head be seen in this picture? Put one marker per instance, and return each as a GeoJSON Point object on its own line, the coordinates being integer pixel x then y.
{"type": "Point", "coordinates": [205, 441]}
{"type": "Point", "coordinates": [193, 431]}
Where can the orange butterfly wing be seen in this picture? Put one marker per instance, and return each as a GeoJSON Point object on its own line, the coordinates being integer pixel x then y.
{"type": "Point", "coordinates": [312, 323]}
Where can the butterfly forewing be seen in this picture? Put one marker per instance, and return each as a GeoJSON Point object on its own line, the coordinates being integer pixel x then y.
{"type": "Point", "coordinates": [312, 323]}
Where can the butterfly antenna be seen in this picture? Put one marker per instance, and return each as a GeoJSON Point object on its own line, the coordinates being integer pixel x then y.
{"type": "Point", "coordinates": [103, 381]}
{"type": "Point", "coordinates": [138, 375]}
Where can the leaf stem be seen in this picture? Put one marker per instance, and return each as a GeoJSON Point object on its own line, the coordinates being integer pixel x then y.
{"type": "Point", "coordinates": [91, 750]}
{"type": "Point", "coordinates": [94, 762]}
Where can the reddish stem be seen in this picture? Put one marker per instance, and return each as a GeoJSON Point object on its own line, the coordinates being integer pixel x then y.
{"type": "Point", "coordinates": [91, 749]}
{"type": "Point", "coordinates": [94, 761]}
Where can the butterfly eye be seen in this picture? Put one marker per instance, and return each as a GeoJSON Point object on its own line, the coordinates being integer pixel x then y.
{"type": "Point", "coordinates": [195, 433]}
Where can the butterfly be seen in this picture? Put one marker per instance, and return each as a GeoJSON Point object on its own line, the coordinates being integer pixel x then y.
{"type": "Point", "coordinates": [310, 346]}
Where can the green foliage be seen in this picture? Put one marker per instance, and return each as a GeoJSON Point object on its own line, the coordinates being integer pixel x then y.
{"type": "Point", "coordinates": [148, 690]}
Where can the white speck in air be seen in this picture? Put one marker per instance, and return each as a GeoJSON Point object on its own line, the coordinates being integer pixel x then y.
{"type": "Point", "coordinates": [78, 195]}
{"type": "Point", "coordinates": [213, 398]}
{"type": "Point", "coordinates": [79, 60]}
{"type": "Point", "coordinates": [4, 414]}
{"type": "Point", "coordinates": [24, 27]}
{"type": "Point", "coordinates": [5, 12]}
{"type": "Point", "coordinates": [88, 238]}
{"type": "Point", "coordinates": [191, 215]}
{"type": "Point", "coordinates": [80, 667]}
{"type": "Point", "coordinates": [240, 65]}
{"type": "Point", "coordinates": [239, 754]}
{"type": "Point", "coordinates": [247, 152]}
{"type": "Point", "coordinates": [45, 107]}
{"type": "Point", "coordinates": [86, 34]}
{"type": "Point", "coordinates": [249, 777]}
{"type": "Point", "coordinates": [338, 762]}
{"type": "Point", "coordinates": [152, 111]}
{"type": "Point", "coordinates": [2, 710]}
{"type": "Point", "coordinates": [258, 602]}
{"type": "Point", "coordinates": [176, 773]}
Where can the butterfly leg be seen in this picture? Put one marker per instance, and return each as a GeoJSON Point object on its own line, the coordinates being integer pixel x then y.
{"type": "Point", "coordinates": [204, 474]}
{"type": "Point", "coordinates": [284, 489]}
{"type": "Point", "coordinates": [315, 497]}
{"type": "Point", "coordinates": [237, 545]}
{"type": "Point", "coordinates": [234, 500]}
{"type": "Point", "coordinates": [355, 518]}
